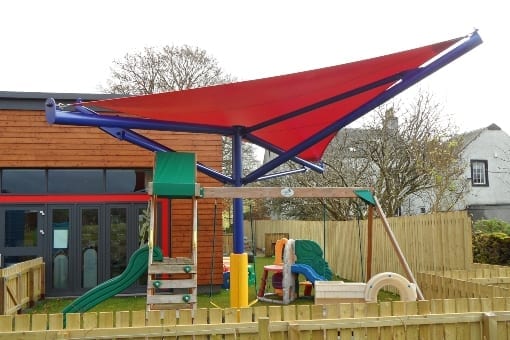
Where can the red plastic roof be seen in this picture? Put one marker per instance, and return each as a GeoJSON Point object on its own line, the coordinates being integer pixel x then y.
{"type": "Point", "coordinates": [249, 103]}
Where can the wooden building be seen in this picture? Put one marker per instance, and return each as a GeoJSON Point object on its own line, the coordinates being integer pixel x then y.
{"type": "Point", "coordinates": [66, 190]}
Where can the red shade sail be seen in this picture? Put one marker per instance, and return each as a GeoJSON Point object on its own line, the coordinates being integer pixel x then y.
{"type": "Point", "coordinates": [286, 110]}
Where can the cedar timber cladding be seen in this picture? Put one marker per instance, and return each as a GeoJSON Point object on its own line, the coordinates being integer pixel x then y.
{"type": "Point", "coordinates": [28, 141]}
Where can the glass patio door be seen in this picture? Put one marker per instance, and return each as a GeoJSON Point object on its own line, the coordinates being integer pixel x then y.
{"type": "Point", "coordinates": [76, 249]}
{"type": "Point", "coordinates": [117, 219]}
{"type": "Point", "coordinates": [92, 246]}
{"type": "Point", "coordinates": [88, 244]}
{"type": "Point", "coordinates": [62, 256]}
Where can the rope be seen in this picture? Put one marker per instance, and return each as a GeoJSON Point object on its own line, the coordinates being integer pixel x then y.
{"type": "Point", "coordinates": [324, 238]}
{"type": "Point", "coordinates": [213, 254]}
{"type": "Point", "coordinates": [358, 218]}
{"type": "Point", "coordinates": [253, 248]}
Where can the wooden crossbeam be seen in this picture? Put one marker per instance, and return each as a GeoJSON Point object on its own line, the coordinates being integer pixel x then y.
{"type": "Point", "coordinates": [12, 295]}
{"type": "Point", "coordinates": [282, 192]}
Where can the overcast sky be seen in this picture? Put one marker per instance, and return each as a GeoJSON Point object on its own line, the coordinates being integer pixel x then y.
{"type": "Point", "coordinates": [69, 46]}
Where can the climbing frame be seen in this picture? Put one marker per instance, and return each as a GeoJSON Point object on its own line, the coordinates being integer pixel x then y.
{"type": "Point", "coordinates": [172, 283]}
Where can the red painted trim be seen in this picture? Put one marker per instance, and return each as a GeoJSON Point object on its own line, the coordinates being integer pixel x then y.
{"type": "Point", "coordinates": [165, 226]}
{"type": "Point", "coordinates": [16, 199]}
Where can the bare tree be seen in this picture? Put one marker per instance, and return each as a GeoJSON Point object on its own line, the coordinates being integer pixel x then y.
{"type": "Point", "coordinates": [170, 68]}
{"type": "Point", "coordinates": [174, 68]}
{"type": "Point", "coordinates": [342, 169]}
{"type": "Point", "coordinates": [416, 151]}
{"type": "Point", "coordinates": [250, 162]}
{"type": "Point", "coordinates": [402, 152]}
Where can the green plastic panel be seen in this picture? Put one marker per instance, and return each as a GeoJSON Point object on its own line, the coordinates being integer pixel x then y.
{"type": "Point", "coordinates": [175, 174]}
{"type": "Point", "coordinates": [366, 196]}
{"type": "Point", "coordinates": [310, 253]}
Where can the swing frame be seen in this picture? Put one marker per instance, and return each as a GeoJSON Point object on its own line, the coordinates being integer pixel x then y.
{"type": "Point", "coordinates": [322, 192]}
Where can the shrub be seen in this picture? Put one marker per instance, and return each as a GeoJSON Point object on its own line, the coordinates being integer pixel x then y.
{"type": "Point", "coordinates": [491, 226]}
{"type": "Point", "coordinates": [491, 248]}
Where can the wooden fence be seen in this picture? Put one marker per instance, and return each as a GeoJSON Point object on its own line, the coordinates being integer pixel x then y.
{"type": "Point", "coordinates": [482, 280]}
{"type": "Point", "coordinates": [477, 318]}
{"type": "Point", "coordinates": [21, 284]}
{"type": "Point", "coordinates": [435, 242]}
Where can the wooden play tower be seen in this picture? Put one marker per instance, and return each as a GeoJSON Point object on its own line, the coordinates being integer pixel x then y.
{"type": "Point", "coordinates": [172, 283]}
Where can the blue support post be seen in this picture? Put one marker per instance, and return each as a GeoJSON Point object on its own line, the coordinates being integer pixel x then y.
{"type": "Point", "coordinates": [238, 243]}
{"type": "Point", "coordinates": [238, 259]}
{"type": "Point", "coordinates": [237, 174]}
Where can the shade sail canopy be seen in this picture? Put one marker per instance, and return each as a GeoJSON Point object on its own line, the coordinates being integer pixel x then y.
{"type": "Point", "coordinates": [282, 111]}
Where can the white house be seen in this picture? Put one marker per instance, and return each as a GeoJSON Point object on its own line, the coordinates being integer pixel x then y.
{"type": "Point", "coordinates": [487, 153]}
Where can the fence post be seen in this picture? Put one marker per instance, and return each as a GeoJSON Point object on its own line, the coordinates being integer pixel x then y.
{"type": "Point", "coordinates": [489, 326]}
{"type": "Point", "coordinates": [293, 332]}
{"type": "Point", "coordinates": [264, 328]}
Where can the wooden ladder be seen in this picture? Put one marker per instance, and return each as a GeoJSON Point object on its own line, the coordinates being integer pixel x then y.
{"type": "Point", "coordinates": [172, 283]}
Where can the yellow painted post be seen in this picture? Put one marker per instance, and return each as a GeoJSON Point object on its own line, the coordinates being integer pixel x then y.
{"type": "Point", "coordinates": [239, 280]}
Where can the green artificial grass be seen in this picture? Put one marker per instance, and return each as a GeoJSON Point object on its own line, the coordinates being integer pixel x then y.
{"type": "Point", "coordinates": [216, 300]}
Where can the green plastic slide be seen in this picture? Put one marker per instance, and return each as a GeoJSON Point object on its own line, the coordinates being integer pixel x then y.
{"type": "Point", "coordinates": [136, 267]}
{"type": "Point", "coordinates": [310, 253]}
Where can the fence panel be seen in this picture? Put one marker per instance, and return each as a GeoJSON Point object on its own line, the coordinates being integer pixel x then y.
{"type": "Point", "coordinates": [21, 284]}
{"type": "Point", "coordinates": [428, 319]}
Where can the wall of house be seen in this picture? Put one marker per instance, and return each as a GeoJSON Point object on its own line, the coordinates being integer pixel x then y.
{"type": "Point", "coordinates": [492, 145]}
{"type": "Point", "coordinates": [486, 212]}
{"type": "Point", "coordinates": [28, 141]}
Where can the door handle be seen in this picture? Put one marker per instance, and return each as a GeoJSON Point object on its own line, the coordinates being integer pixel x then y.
{"type": "Point", "coordinates": [41, 232]}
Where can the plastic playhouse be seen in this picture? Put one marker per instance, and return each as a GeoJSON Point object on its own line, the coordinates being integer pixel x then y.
{"type": "Point", "coordinates": [305, 257]}
{"type": "Point", "coordinates": [293, 258]}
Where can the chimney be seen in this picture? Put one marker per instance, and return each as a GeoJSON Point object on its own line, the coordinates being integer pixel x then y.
{"type": "Point", "coordinates": [391, 120]}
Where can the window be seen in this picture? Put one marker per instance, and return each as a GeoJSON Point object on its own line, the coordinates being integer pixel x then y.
{"type": "Point", "coordinates": [121, 180]}
{"type": "Point", "coordinates": [24, 181]}
{"type": "Point", "coordinates": [75, 181]}
{"type": "Point", "coordinates": [21, 228]}
{"type": "Point", "coordinates": [42, 181]}
{"type": "Point", "coordinates": [479, 173]}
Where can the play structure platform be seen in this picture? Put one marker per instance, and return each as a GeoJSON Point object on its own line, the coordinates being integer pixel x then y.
{"type": "Point", "coordinates": [172, 282]}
